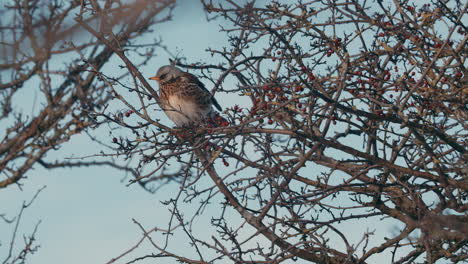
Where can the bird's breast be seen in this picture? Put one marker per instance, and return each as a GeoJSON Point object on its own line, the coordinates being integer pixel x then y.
{"type": "Point", "coordinates": [183, 110]}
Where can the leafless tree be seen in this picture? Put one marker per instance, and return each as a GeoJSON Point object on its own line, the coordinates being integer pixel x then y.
{"type": "Point", "coordinates": [46, 55]}
{"type": "Point", "coordinates": [351, 116]}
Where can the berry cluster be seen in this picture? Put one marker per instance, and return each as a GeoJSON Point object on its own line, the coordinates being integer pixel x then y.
{"type": "Point", "coordinates": [217, 121]}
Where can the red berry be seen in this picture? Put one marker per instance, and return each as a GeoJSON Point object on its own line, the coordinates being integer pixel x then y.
{"type": "Point", "coordinates": [278, 52]}
{"type": "Point", "coordinates": [206, 145]}
{"type": "Point", "coordinates": [459, 74]}
{"type": "Point", "coordinates": [115, 140]}
{"type": "Point", "coordinates": [337, 41]}
{"type": "Point", "coordinates": [311, 76]}
{"type": "Point", "coordinates": [329, 53]}
{"type": "Point", "coordinates": [381, 34]}
{"type": "Point", "coordinates": [270, 121]}
{"type": "Point", "coordinates": [303, 68]}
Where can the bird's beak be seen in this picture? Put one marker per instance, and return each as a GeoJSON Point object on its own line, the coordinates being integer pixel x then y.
{"type": "Point", "coordinates": [155, 78]}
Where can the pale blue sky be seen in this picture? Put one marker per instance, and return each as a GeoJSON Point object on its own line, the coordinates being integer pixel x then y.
{"type": "Point", "coordinates": [86, 213]}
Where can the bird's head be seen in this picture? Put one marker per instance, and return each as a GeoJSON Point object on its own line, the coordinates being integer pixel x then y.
{"type": "Point", "coordinates": [167, 73]}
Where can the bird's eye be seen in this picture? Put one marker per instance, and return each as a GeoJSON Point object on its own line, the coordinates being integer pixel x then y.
{"type": "Point", "coordinates": [163, 76]}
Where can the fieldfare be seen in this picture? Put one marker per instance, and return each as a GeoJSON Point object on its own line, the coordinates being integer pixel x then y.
{"type": "Point", "coordinates": [184, 99]}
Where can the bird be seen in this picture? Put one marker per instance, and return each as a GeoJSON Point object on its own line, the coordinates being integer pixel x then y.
{"type": "Point", "coordinates": [183, 97]}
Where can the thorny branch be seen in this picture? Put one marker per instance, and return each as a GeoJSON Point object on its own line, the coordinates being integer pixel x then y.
{"type": "Point", "coordinates": [351, 117]}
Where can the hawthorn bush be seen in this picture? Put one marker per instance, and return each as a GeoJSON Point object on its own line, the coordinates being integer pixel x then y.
{"type": "Point", "coordinates": [351, 119]}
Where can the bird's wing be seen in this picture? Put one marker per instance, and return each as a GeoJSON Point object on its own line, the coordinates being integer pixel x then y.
{"type": "Point", "coordinates": [193, 79]}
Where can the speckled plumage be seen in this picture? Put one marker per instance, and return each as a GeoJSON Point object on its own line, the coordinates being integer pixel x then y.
{"type": "Point", "coordinates": [184, 99]}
